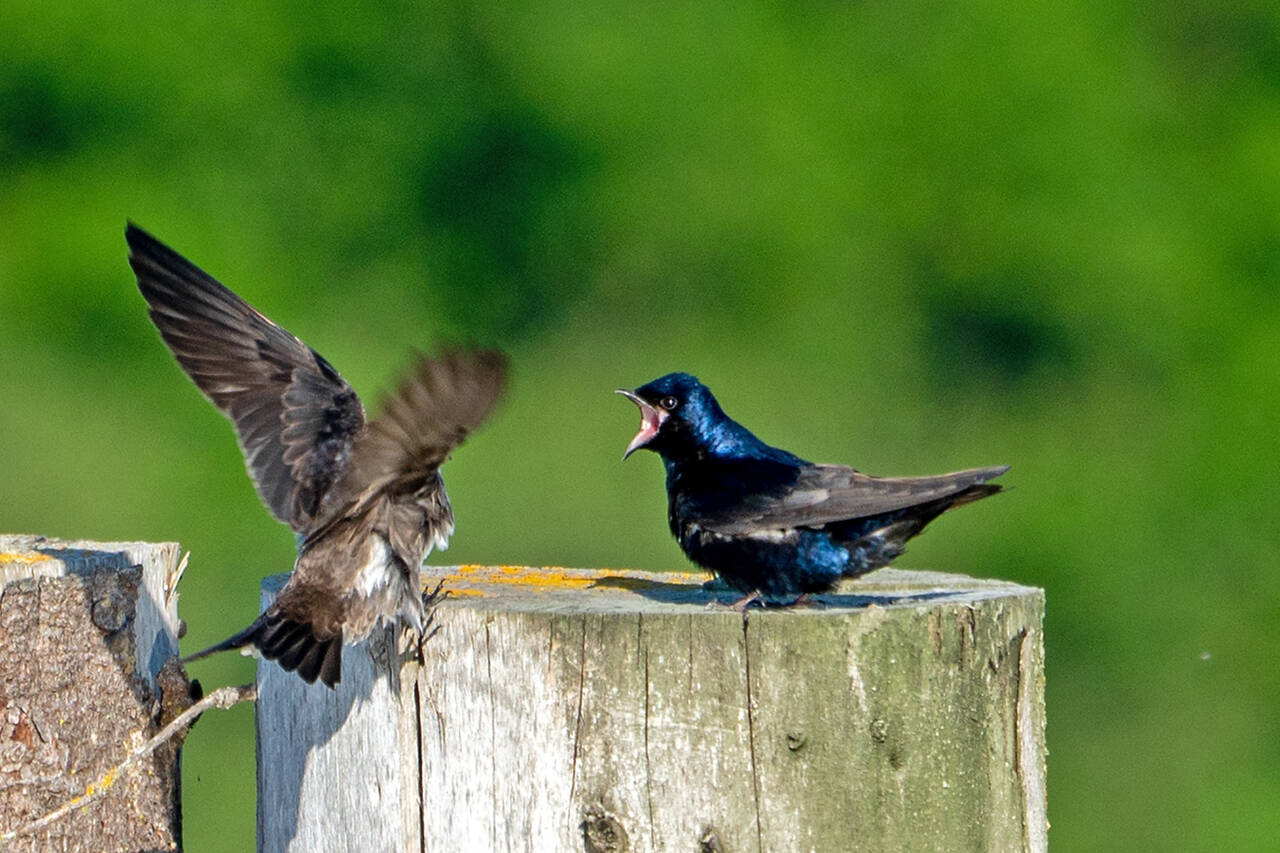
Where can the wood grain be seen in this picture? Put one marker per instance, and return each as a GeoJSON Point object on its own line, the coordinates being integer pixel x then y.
{"type": "Point", "coordinates": [609, 710]}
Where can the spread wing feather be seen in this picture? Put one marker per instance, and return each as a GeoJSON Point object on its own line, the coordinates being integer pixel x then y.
{"type": "Point", "coordinates": [294, 416]}
{"type": "Point", "coordinates": [440, 401]}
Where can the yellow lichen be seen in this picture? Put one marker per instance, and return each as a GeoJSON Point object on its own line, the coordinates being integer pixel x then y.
{"type": "Point", "coordinates": [26, 557]}
{"type": "Point", "coordinates": [108, 779]}
{"type": "Point", "coordinates": [554, 577]}
{"type": "Point", "coordinates": [457, 592]}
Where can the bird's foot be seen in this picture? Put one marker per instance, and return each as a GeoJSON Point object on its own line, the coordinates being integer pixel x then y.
{"type": "Point", "coordinates": [430, 598]}
{"type": "Point", "coordinates": [741, 605]}
{"type": "Point", "coordinates": [418, 639]}
{"type": "Point", "coordinates": [805, 599]}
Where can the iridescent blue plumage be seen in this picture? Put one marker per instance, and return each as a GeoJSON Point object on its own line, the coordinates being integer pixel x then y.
{"type": "Point", "coordinates": [768, 522]}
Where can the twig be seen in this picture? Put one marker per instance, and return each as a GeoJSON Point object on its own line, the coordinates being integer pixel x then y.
{"type": "Point", "coordinates": [223, 697]}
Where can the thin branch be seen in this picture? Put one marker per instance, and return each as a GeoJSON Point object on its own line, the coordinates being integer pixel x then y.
{"type": "Point", "coordinates": [223, 697]}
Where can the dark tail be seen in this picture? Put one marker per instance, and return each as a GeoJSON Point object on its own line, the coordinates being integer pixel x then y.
{"type": "Point", "coordinates": [882, 545]}
{"type": "Point", "coordinates": [236, 641]}
{"type": "Point", "coordinates": [290, 643]}
{"type": "Point", "coordinates": [971, 494]}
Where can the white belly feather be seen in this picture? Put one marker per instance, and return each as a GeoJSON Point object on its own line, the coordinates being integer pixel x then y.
{"type": "Point", "coordinates": [384, 587]}
{"type": "Point", "coordinates": [375, 574]}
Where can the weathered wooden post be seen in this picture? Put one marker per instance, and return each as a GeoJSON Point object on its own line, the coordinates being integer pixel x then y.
{"type": "Point", "coordinates": [612, 711]}
{"type": "Point", "coordinates": [88, 634]}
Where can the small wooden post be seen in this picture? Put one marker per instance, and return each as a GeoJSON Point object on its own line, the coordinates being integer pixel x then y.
{"type": "Point", "coordinates": [612, 711]}
{"type": "Point", "coordinates": [88, 638]}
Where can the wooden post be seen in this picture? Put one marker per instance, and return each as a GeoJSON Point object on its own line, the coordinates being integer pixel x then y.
{"type": "Point", "coordinates": [612, 711]}
{"type": "Point", "coordinates": [88, 638]}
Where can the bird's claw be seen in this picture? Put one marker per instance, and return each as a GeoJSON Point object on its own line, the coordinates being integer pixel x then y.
{"type": "Point", "coordinates": [418, 639]}
{"type": "Point", "coordinates": [739, 606]}
{"type": "Point", "coordinates": [434, 596]}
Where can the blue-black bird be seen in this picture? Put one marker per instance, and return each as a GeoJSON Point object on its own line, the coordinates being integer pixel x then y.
{"type": "Point", "coordinates": [770, 524]}
{"type": "Point", "coordinates": [365, 498]}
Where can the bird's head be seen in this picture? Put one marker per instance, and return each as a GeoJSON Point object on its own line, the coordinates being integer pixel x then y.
{"type": "Point", "coordinates": [678, 416]}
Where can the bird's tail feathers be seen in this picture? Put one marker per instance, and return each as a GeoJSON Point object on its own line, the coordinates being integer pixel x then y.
{"type": "Point", "coordinates": [296, 647]}
{"type": "Point", "coordinates": [881, 546]}
{"type": "Point", "coordinates": [289, 642]}
{"type": "Point", "coordinates": [235, 641]}
{"type": "Point", "coordinates": [971, 494]}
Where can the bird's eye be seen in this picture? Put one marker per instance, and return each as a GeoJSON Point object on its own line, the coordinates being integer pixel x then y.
{"type": "Point", "coordinates": [669, 403]}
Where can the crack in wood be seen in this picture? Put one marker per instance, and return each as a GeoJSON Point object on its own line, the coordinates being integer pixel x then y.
{"type": "Point", "coordinates": [689, 621]}
{"type": "Point", "coordinates": [577, 719]}
{"type": "Point", "coordinates": [751, 733]}
{"type": "Point", "coordinates": [551, 647]}
{"type": "Point", "coordinates": [493, 738]}
{"type": "Point", "coordinates": [648, 770]}
{"type": "Point", "coordinates": [1035, 818]}
{"type": "Point", "coordinates": [419, 783]}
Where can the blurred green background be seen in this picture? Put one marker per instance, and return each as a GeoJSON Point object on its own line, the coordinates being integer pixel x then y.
{"type": "Point", "coordinates": [909, 237]}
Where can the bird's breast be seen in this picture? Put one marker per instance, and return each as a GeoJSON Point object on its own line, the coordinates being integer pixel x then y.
{"type": "Point", "coordinates": [375, 573]}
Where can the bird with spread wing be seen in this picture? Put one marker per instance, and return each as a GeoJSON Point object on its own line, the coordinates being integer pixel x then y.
{"type": "Point", "coordinates": [364, 497]}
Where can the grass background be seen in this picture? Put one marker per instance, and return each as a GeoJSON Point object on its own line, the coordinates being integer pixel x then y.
{"type": "Point", "coordinates": [909, 237]}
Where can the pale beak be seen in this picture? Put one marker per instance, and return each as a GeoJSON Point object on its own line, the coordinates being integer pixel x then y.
{"type": "Point", "coordinates": [651, 421]}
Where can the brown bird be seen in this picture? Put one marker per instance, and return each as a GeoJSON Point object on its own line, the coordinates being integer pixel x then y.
{"type": "Point", "coordinates": [365, 498]}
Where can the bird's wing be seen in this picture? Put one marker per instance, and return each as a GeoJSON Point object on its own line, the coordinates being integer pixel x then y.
{"type": "Point", "coordinates": [823, 494]}
{"type": "Point", "coordinates": [294, 416]}
{"type": "Point", "coordinates": [439, 402]}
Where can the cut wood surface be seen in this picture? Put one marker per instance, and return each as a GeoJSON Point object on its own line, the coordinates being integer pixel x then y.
{"type": "Point", "coordinates": [88, 634]}
{"type": "Point", "coordinates": [612, 710]}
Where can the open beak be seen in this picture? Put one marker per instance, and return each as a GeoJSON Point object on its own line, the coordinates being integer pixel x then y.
{"type": "Point", "coordinates": [651, 420]}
